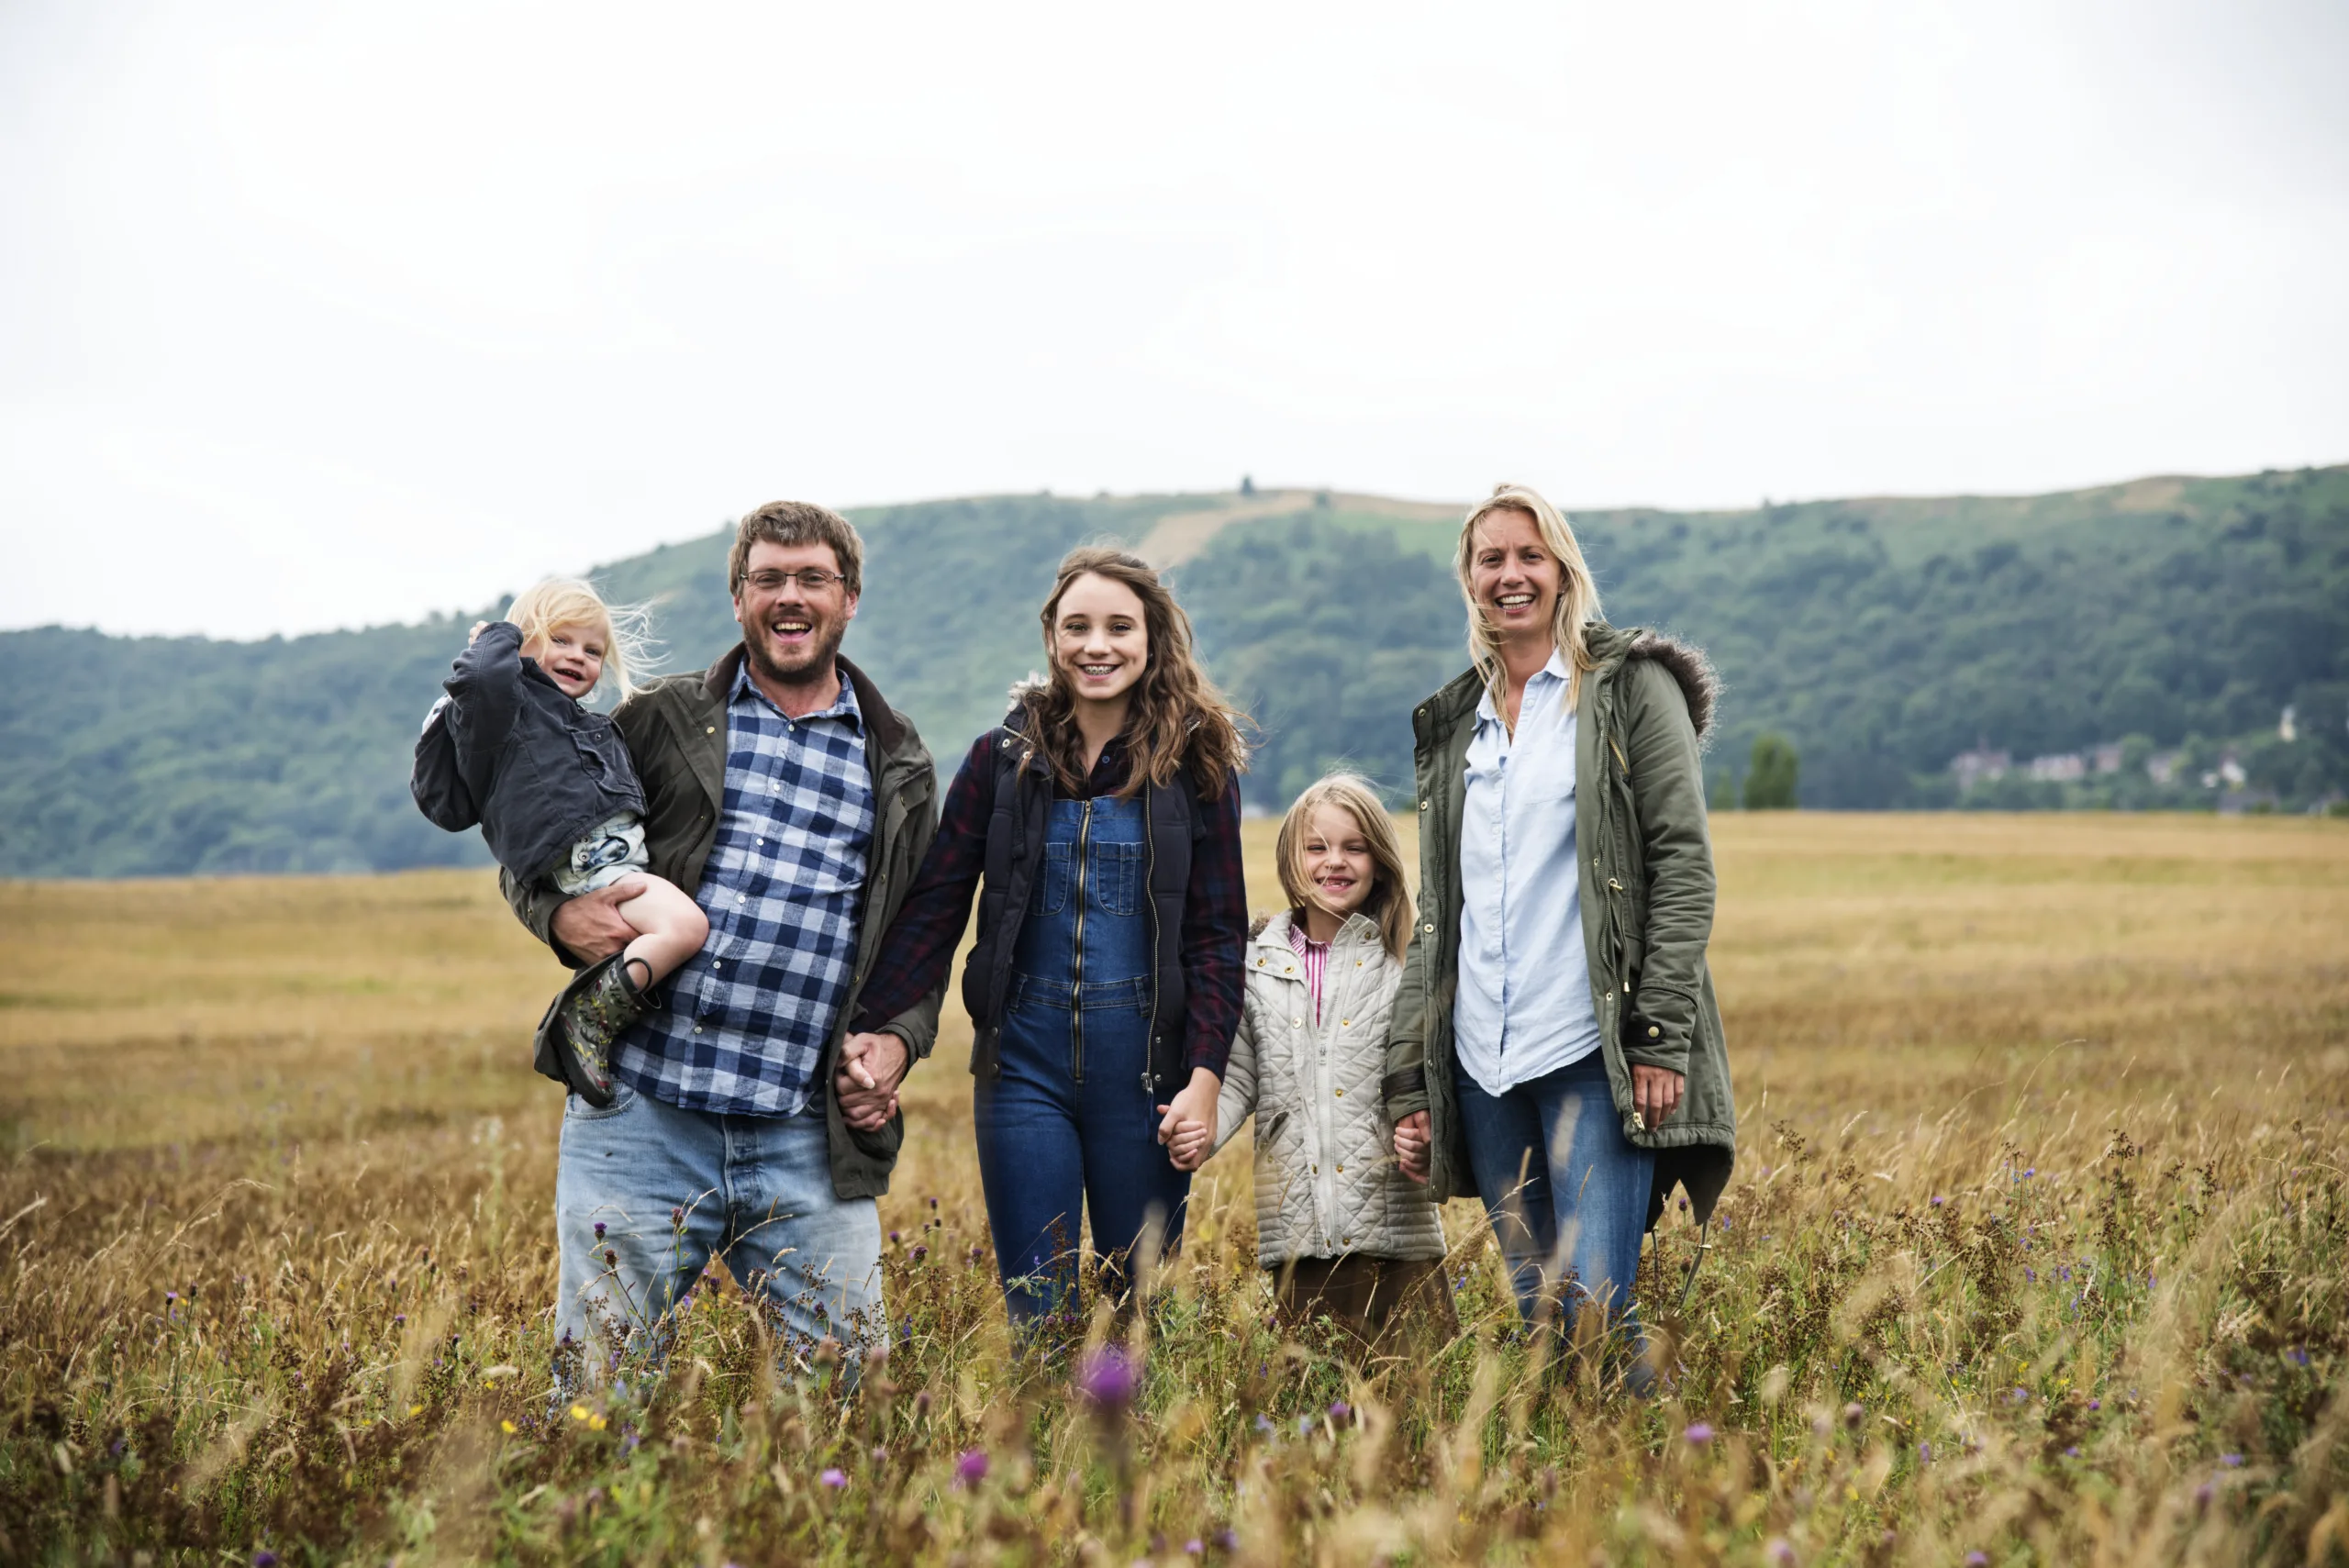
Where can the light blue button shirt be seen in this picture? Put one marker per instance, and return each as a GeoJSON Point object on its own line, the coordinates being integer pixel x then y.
{"type": "Point", "coordinates": [1523, 1008]}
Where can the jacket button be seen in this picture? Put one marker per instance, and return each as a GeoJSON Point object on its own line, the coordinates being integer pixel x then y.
{"type": "Point", "coordinates": [710, 729]}
{"type": "Point", "coordinates": [1653, 1032]}
{"type": "Point", "coordinates": [1341, 1094]}
{"type": "Point", "coordinates": [1428, 926]}
{"type": "Point", "coordinates": [1423, 805]}
{"type": "Point", "coordinates": [1341, 1170]}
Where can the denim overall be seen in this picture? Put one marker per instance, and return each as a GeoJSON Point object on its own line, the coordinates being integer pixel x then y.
{"type": "Point", "coordinates": [1069, 1124]}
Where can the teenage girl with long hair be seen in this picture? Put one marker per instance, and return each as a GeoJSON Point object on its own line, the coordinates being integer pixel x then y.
{"type": "Point", "coordinates": [1100, 827]}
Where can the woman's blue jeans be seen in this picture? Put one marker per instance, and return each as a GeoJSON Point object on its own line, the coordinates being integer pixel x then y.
{"type": "Point", "coordinates": [1567, 1194]}
{"type": "Point", "coordinates": [1069, 1125]}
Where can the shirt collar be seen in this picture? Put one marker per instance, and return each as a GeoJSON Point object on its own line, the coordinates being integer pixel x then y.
{"type": "Point", "coordinates": [1554, 670]}
{"type": "Point", "coordinates": [844, 708]}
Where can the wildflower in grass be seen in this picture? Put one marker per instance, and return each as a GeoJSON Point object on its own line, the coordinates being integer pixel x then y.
{"type": "Point", "coordinates": [2095, 1404]}
{"type": "Point", "coordinates": [677, 1218]}
{"type": "Point", "coordinates": [510, 1427]}
{"type": "Point", "coordinates": [1855, 1414]}
{"type": "Point", "coordinates": [611, 1259]}
{"type": "Point", "coordinates": [1263, 1423]}
{"type": "Point", "coordinates": [264, 1558]}
{"type": "Point", "coordinates": [1698, 1434]}
{"type": "Point", "coordinates": [1924, 1453]}
{"type": "Point", "coordinates": [1106, 1379]}
{"type": "Point", "coordinates": [1195, 1547]}
{"type": "Point", "coordinates": [1778, 1550]}
{"type": "Point", "coordinates": [1977, 1560]}
{"type": "Point", "coordinates": [2231, 1461]}
{"type": "Point", "coordinates": [1937, 1200]}
{"type": "Point", "coordinates": [835, 1478]}
{"type": "Point", "coordinates": [2202, 1495]}
{"type": "Point", "coordinates": [1340, 1412]}
{"type": "Point", "coordinates": [893, 1238]}
{"type": "Point", "coordinates": [579, 1412]}
{"type": "Point", "coordinates": [599, 1231]}
{"type": "Point", "coordinates": [971, 1467]}
{"type": "Point", "coordinates": [2297, 1356]}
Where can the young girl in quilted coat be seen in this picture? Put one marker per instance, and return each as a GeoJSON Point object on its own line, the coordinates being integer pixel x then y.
{"type": "Point", "coordinates": [1346, 1234]}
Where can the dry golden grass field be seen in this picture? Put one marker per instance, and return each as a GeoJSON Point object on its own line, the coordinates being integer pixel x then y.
{"type": "Point", "coordinates": [2036, 1253]}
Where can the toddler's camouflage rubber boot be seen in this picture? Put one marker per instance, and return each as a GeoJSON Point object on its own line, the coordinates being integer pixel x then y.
{"type": "Point", "coordinates": [586, 1020]}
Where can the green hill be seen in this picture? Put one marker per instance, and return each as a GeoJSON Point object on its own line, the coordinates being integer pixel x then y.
{"type": "Point", "coordinates": [1882, 637]}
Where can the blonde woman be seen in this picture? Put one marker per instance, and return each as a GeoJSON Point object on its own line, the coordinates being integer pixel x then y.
{"type": "Point", "coordinates": [510, 747]}
{"type": "Point", "coordinates": [1557, 1049]}
{"type": "Point", "coordinates": [1346, 1236]}
{"type": "Point", "coordinates": [1098, 826]}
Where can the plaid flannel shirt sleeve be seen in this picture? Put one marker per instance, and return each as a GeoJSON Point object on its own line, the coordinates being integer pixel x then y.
{"type": "Point", "coordinates": [1215, 932]}
{"type": "Point", "coordinates": [919, 947]}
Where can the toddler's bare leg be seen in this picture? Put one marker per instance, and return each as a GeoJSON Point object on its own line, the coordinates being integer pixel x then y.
{"type": "Point", "coordinates": [673, 929]}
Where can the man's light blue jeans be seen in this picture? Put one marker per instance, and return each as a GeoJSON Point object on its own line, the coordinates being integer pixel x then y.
{"type": "Point", "coordinates": [646, 1193]}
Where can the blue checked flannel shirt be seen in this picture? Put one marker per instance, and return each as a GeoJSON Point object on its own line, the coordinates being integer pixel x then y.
{"type": "Point", "coordinates": [748, 1017]}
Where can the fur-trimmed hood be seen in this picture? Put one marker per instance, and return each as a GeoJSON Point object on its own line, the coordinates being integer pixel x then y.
{"type": "Point", "coordinates": [1698, 683]}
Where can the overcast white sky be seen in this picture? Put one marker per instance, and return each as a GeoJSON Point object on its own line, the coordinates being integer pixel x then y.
{"type": "Point", "coordinates": [316, 315]}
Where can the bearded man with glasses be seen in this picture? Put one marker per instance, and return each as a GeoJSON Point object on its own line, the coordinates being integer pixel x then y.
{"type": "Point", "coordinates": [794, 804]}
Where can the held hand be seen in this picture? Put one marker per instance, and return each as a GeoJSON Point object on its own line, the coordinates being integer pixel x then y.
{"type": "Point", "coordinates": [1411, 1140]}
{"type": "Point", "coordinates": [475, 635]}
{"type": "Point", "coordinates": [1187, 1149]}
{"type": "Point", "coordinates": [872, 1065]}
{"type": "Point", "coordinates": [1195, 1102]}
{"type": "Point", "coordinates": [590, 927]}
{"type": "Point", "coordinates": [1655, 1092]}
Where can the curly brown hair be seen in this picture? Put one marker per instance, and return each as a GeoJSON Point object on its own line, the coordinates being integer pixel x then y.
{"type": "Point", "coordinates": [1178, 718]}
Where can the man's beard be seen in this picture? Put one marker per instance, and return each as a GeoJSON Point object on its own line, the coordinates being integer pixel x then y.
{"type": "Point", "coordinates": [764, 664]}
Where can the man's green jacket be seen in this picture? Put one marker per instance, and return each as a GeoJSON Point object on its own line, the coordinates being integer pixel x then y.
{"type": "Point", "coordinates": [1645, 859]}
{"type": "Point", "coordinates": [676, 731]}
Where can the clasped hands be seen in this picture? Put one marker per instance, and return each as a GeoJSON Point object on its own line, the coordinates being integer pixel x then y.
{"type": "Point", "coordinates": [1656, 1094]}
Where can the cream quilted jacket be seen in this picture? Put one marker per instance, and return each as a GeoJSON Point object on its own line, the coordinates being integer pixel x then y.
{"type": "Point", "coordinates": [1326, 1180]}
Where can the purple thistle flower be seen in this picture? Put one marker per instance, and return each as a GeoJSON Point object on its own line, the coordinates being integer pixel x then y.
{"type": "Point", "coordinates": [2095, 1404]}
{"type": "Point", "coordinates": [1977, 1560]}
{"type": "Point", "coordinates": [1937, 1200]}
{"type": "Point", "coordinates": [677, 1218]}
{"type": "Point", "coordinates": [2231, 1461]}
{"type": "Point", "coordinates": [611, 1259]}
{"type": "Point", "coordinates": [1779, 1551]}
{"type": "Point", "coordinates": [1195, 1547]}
{"type": "Point", "coordinates": [2073, 1451]}
{"type": "Point", "coordinates": [893, 1238]}
{"type": "Point", "coordinates": [971, 1467]}
{"type": "Point", "coordinates": [835, 1477]}
{"type": "Point", "coordinates": [264, 1558]}
{"type": "Point", "coordinates": [1699, 1433]}
{"type": "Point", "coordinates": [599, 1231]}
{"type": "Point", "coordinates": [1106, 1378]}
{"type": "Point", "coordinates": [1228, 1539]}
{"type": "Point", "coordinates": [1340, 1412]}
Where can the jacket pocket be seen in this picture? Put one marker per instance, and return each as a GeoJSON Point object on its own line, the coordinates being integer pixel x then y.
{"type": "Point", "coordinates": [1117, 877]}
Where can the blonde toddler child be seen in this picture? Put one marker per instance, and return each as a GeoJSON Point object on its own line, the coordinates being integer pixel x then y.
{"type": "Point", "coordinates": [511, 748]}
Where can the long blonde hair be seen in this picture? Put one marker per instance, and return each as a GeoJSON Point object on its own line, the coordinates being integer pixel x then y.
{"type": "Point", "coordinates": [1177, 714]}
{"type": "Point", "coordinates": [1389, 904]}
{"type": "Point", "coordinates": [629, 652]}
{"type": "Point", "coordinates": [1578, 605]}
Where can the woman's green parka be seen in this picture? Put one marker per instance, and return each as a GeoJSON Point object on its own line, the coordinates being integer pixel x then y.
{"type": "Point", "coordinates": [1646, 862]}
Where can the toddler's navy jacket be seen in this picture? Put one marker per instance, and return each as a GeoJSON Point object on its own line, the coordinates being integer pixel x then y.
{"type": "Point", "coordinates": [510, 750]}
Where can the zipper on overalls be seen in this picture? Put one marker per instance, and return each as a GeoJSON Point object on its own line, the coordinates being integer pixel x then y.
{"type": "Point", "coordinates": [1076, 991]}
{"type": "Point", "coordinates": [1150, 906]}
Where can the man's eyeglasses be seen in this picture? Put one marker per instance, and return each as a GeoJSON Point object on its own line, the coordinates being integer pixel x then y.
{"type": "Point", "coordinates": [814, 579]}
